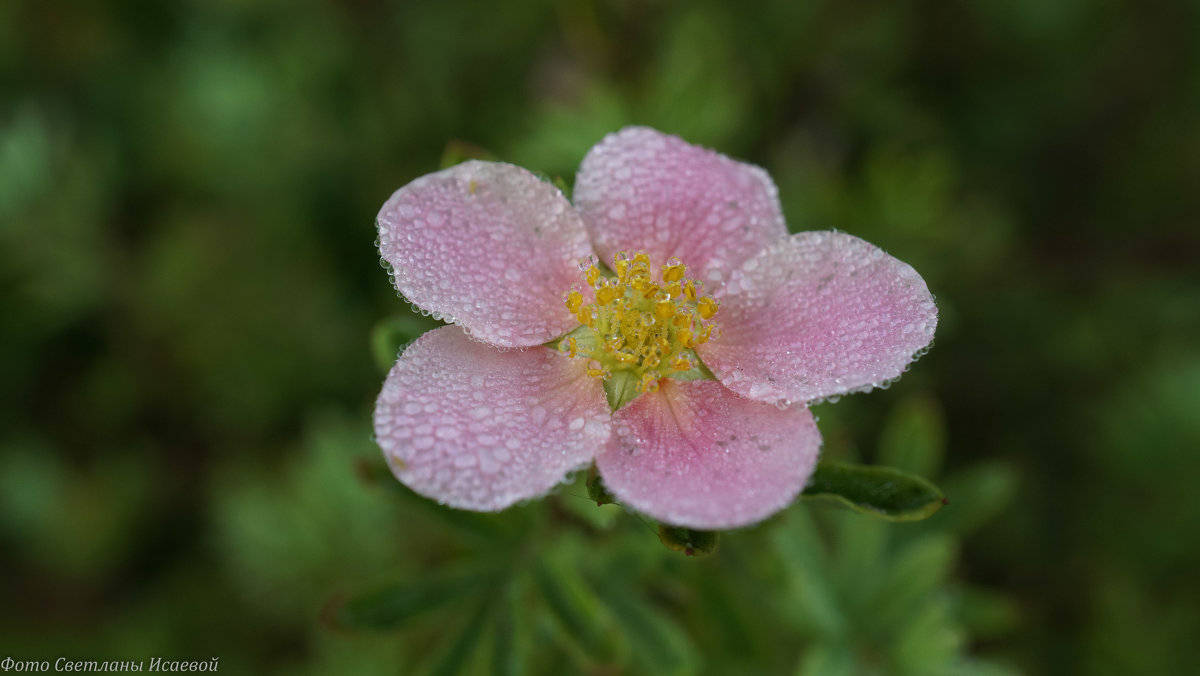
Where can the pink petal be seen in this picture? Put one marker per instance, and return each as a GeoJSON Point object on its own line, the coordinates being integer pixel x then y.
{"type": "Point", "coordinates": [696, 455]}
{"type": "Point", "coordinates": [477, 428]}
{"type": "Point", "coordinates": [640, 189]}
{"type": "Point", "coordinates": [488, 246]}
{"type": "Point", "coordinates": [819, 314]}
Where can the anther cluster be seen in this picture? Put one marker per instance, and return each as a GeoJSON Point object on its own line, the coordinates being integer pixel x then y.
{"type": "Point", "coordinates": [635, 323]}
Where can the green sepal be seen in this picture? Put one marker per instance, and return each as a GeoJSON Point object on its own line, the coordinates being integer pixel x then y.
{"type": "Point", "coordinates": [884, 492]}
{"type": "Point", "coordinates": [585, 339]}
{"type": "Point", "coordinates": [698, 372]}
{"type": "Point", "coordinates": [690, 542]}
{"type": "Point", "coordinates": [561, 183]}
{"type": "Point", "coordinates": [621, 388]}
{"type": "Point", "coordinates": [597, 490]}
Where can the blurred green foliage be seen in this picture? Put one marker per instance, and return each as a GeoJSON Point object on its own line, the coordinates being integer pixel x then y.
{"type": "Point", "coordinates": [189, 291]}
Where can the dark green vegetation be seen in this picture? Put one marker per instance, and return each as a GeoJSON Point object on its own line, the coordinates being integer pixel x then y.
{"type": "Point", "coordinates": [188, 291]}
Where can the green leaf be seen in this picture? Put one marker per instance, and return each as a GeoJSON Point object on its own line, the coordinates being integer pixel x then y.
{"type": "Point", "coordinates": [454, 656]}
{"type": "Point", "coordinates": [621, 389]}
{"type": "Point", "coordinates": [659, 645]}
{"type": "Point", "coordinates": [811, 596]}
{"type": "Point", "coordinates": [391, 334]}
{"type": "Point", "coordinates": [585, 621]}
{"type": "Point", "coordinates": [988, 614]}
{"type": "Point", "coordinates": [829, 659]}
{"type": "Point", "coordinates": [913, 577]}
{"type": "Point", "coordinates": [690, 542]}
{"type": "Point", "coordinates": [881, 491]}
{"type": "Point", "coordinates": [389, 608]}
{"type": "Point", "coordinates": [986, 489]}
{"type": "Point", "coordinates": [511, 634]}
{"type": "Point", "coordinates": [914, 437]}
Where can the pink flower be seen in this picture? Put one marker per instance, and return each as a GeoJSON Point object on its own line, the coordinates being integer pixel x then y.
{"type": "Point", "coordinates": [483, 414]}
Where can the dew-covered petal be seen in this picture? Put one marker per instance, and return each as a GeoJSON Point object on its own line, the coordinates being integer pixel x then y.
{"type": "Point", "coordinates": [479, 428]}
{"type": "Point", "coordinates": [694, 454]}
{"type": "Point", "coordinates": [816, 315]}
{"type": "Point", "coordinates": [488, 246]}
{"type": "Point", "coordinates": [640, 189]}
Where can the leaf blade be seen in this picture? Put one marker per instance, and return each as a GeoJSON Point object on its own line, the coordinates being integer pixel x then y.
{"type": "Point", "coordinates": [885, 492]}
{"type": "Point", "coordinates": [391, 607]}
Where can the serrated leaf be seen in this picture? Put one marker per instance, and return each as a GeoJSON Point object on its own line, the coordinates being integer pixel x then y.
{"type": "Point", "coordinates": [885, 492]}
{"type": "Point", "coordinates": [690, 542]}
{"type": "Point", "coordinates": [389, 608]}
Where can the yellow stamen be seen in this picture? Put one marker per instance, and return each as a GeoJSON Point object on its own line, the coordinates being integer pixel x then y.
{"type": "Point", "coordinates": [591, 275]}
{"type": "Point", "coordinates": [637, 324]}
{"type": "Point", "coordinates": [573, 300]}
{"type": "Point", "coordinates": [665, 309]}
{"type": "Point", "coordinates": [673, 271]}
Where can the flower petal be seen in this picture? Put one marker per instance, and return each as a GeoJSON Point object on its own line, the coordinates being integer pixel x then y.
{"type": "Point", "coordinates": [477, 428]}
{"type": "Point", "coordinates": [819, 314]}
{"type": "Point", "coordinates": [696, 455]}
{"type": "Point", "coordinates": [640, 189]}
{"type": "Point", "coordinates": [488, 246]}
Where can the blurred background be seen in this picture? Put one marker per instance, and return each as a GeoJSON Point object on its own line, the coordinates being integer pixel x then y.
{"type": "Point", "coordinates": [191, 304]}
